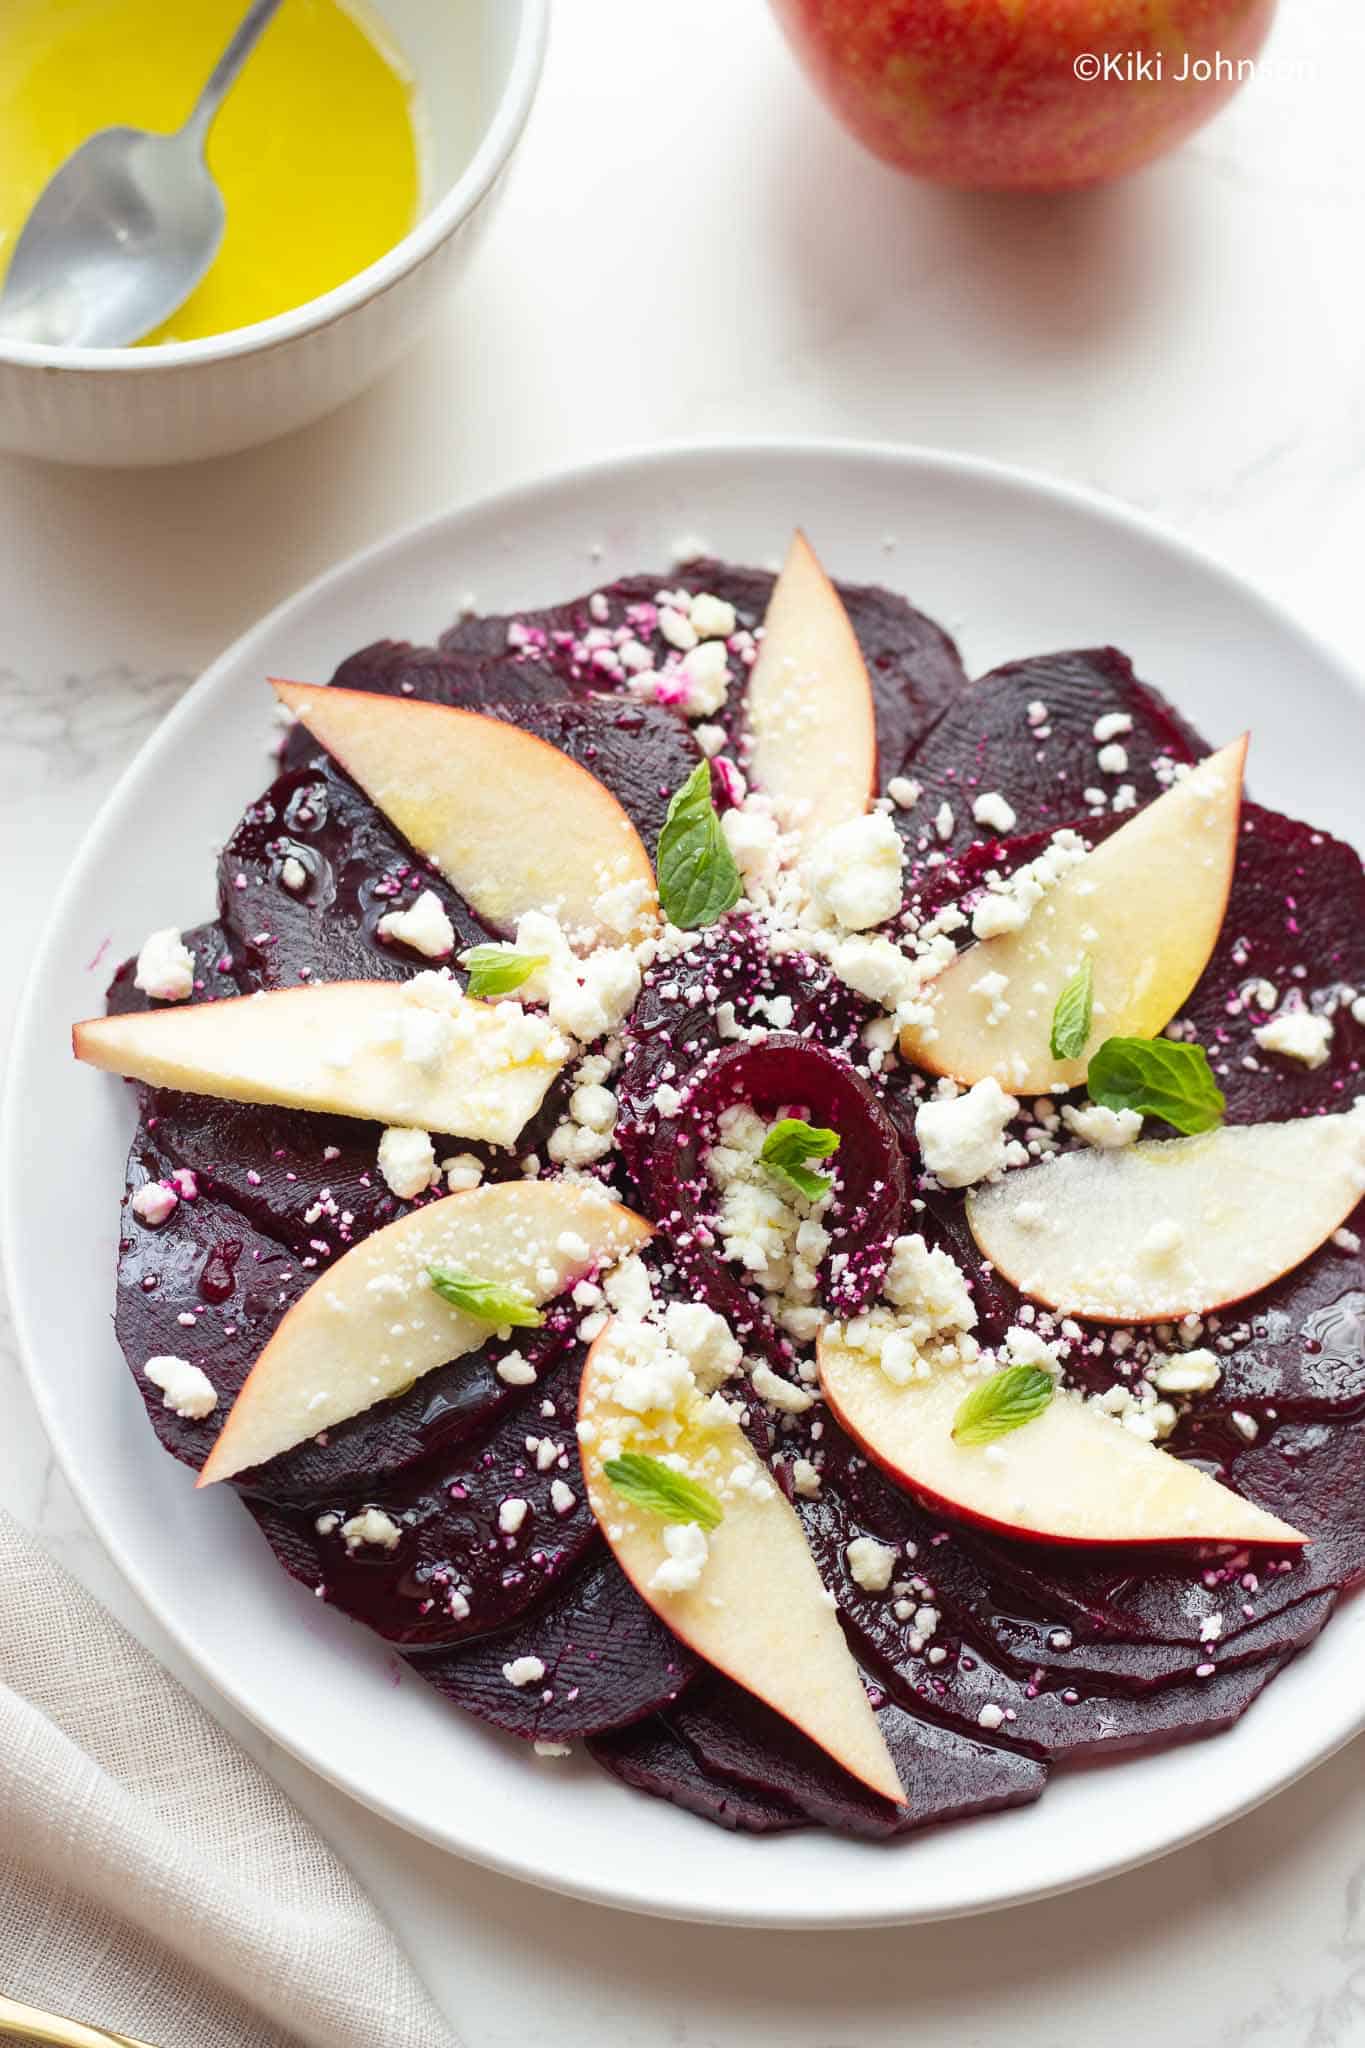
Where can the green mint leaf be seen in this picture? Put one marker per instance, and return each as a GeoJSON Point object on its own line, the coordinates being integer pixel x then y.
{"type": "Point", "coordinates": [503, 1307]}
{"type": "Point", "coordinates": [650, 1484]}
{"type": "Point", "coordinates": [787, 1147]}
{"type": "Point", "coordinates": [1157, 1077]}
{"type": "Point", "coordinates": [1004, 1402]}
{"type": "Point", "coordinates": [698, 878]}
{"type": "Point", "coordinates": [497, 970]}
{"type": "Point", "coordinates": [1072, 1017]}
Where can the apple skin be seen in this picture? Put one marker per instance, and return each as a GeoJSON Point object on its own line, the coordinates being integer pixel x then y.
{"type": "Point", "coordinates": [984, 93]}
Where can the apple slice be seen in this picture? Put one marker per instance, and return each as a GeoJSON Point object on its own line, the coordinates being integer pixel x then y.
{"type": "Point", "coordinates": [418, 1053]}
{"type": "Point", "coordinates": [1173, 1226]}
{"type": "Point", "coordinates": [371, 1325]}
{"type": "Point", "coordinates": [1146, 907]}
{"type": "Point", "coordinates": [759, 1612]}
{"type": "Point", "coordinates": [1072, 1475]}
{"type": "Point", "coordinates": [511, 822]}
{"type": "Point", "coordinates": [812, 729]}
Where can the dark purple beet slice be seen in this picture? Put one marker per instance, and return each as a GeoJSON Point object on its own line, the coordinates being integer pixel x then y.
{"type": "Point", "coordinates": [913, 664]}
{"type": "Point", "coordinates": [984, 741]}
{"type": "Point", "coordinates": [947, 1775]}
{"type": "Point", "coordinates": [642, 752]}
{"type": "Point", "coordinates": [651, 1758]}
{"type": "Point", "coordinates": [212, 1262]}
{"type": "Point", "coordinates": [1295, 918]}
{"type": "Point", "coordinates": [455, 1573]}
{"type": "Point", "coordinates": [783, 1074]}
{"type": "Point", "coordinates": [676, 1023]}
{"type": "Point", "coordinates": [358, 866]}
{"type": "Point", "coordinates": [395, 668]}
{"type": "Point", "coordinates": [608, 1662]}
{"type": "Point", "coordinates": [206, 1286]}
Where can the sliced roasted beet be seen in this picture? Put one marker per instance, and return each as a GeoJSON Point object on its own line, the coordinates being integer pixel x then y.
{"type": "Point", "coordinates": [395, 668]}
{"type": "Point", "coordinates": [358, 868]}
{"type": "Point", "coordinates": [784, 1075]}
{"type": "Point", "coordinates": [608, 1661]}
{"type": "Point", "coordinates": [651, 1758]}
{"type": "Point", "coordinates": [455, 1571]}
{"type": "Point", "coordinates": [1028, 1646]}
{"type": "Point", "coordinates": [641, 752]}
{"type": "Point", "coordinates": [205, 1286]}
{"type": "Point", "coordinates": [947, 1775]}
{"type": "Point", "coordinates": [1295, 920]}
{"type": "Point", "coordinates": [912, 663]}
{"type": "Point", "coordinates": [702, 1002]}
{"type": "Point", "coordinates": [985, 742]}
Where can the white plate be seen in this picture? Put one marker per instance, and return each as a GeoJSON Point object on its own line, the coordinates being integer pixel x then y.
{"type": "Point", "coordinates": [1013, 566]}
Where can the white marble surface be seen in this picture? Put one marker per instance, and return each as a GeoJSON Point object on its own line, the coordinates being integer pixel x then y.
{"type": "Point", "coordinates": [691, 248]}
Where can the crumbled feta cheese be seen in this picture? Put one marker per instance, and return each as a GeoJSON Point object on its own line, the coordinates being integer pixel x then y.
{"type": "Point", "coordinates": [1188, 1372]}
{"type": "Point", "coordinates": [870, 1563]}
{"type": "Point", "coordinates": [1112, 726]}
{"type": "Point", "coordinates": [705, 678]}
{"type": "Point", "coordinates": [593, 1106]}
{"type": "Point", "coordinates": [962, 1138]}
{"type": "Point", "coordinates": [562, 1497]}
{"type": "Point", "coordinates": [1108, 1129]}
{"type": "Point", "coordinates": [462, 1173]}
{"type": "Point", "coordinates": [687, 1551]}
{"type": "Point", "coordinates": [186, 1390]}
{"type": "Point", "coordinates": [293, 873]}
{"type": "Point", "coordinates": [903, 793]}
{"type": "Point", "coordinates": [992, 810]}
{"type": "Point", "coordinates": [165, 967]}
{"type": "Point", "coordinates": [153, 1203]}
{"type": "Point", "coordinates": [1113, 759]}
{"type": "Point", "coordinates": [407, 1160]}
{"type": "Point", "coordinates": [524, 1671]}
{"type": "Point", "coordinates": [677, 628]}
{"type": "Point", "coordinates": [514, 1370]}
{"type": "Point", "coordinates": [991, 1717]}
{"type": "Point", "coordinates": [711, 618]}
{"type": "Point", "coordinates": [1011, 901]}
{"type": "Point", "coordinates": [806, 1479]}
{"type": "Point", "coordinates": [371, 1527]}
{"type": "Point", "coordinates": [423, 925]}
{"type": "Point", "coordinates": [854, 871]}
{"type": "Point", "coordinates": [1299, 1035]}
{"type": "Point", "coordinates": [944, 820]}
{"type": "Point", "coordinates": [779, 1393]}
{"type": "Point", "coordinates": [511, 1515]}
{"type": "Point", "coordinates": [704, 1339]}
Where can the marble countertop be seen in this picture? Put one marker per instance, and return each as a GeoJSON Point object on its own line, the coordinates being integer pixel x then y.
{"type": "Point", "coordinates": [1188, 342]}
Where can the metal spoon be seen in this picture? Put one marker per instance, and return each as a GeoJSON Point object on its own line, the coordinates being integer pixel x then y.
{"type": "Point", "coordinates": [123, 232]}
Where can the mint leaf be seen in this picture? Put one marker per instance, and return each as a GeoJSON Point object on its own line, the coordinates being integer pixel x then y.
{"type": "Point", "coordinates": [650, 1484]}
{"type": "Point", "coordinates": [1004, 1402]}
{"type": "Point", "coordinates": [497, 970]}
{"type": "Point", "coordinates": [485, 1299]}
{"type": "Point", "coordinates": [1071, 1020]}
{"type": "Point", "coordinates": [787, 1147]}
{"type": "Point", "coordinates": [1157, 1077]}
{"type": "Point", "coordinates": [698, 878]}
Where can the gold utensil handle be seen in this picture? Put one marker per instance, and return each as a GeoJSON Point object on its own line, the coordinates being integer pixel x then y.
{"type": "Point", "coordinates": [26, 2023]}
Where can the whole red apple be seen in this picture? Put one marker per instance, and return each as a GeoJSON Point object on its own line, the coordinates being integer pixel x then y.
{"type": "Point", "coordinates": [1034, 94]}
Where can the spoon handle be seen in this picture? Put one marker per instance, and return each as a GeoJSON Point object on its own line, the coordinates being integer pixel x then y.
{"type": "Point", "coordinates": [229, 64]}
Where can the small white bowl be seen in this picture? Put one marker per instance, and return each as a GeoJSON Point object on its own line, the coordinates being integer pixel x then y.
{"type": "Point", "coordinates": [184, 400]}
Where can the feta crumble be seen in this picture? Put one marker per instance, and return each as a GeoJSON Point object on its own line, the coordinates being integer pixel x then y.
{"type": "Point", "coordinates": [423, 925]}
{"type": "Point", "coordinates": [186, 1390]}
{"type": "Point", "coordinates": [165, 967]}
{"type": "Point", "coordinates": [962, 1138]}
{"type": "Point", "coordinates": [407, 1160]}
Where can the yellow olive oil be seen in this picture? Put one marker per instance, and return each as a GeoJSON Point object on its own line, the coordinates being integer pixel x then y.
{"type": "Point", "coordinates": [316, 150]}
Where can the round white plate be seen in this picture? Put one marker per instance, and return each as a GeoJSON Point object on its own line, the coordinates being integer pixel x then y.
{"type": "Point", "coordinates": [1013, 566]}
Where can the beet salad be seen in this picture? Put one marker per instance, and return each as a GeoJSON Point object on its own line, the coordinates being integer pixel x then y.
{"type": "Point", "coordinates": [752, 1202]}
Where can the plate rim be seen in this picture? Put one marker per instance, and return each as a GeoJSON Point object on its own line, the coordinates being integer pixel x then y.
{"type": "Point", "coordinates": [501, 504]}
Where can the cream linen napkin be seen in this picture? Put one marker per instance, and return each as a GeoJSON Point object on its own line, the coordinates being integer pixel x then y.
{"type": "Point", "coordinates": [152, 1879]}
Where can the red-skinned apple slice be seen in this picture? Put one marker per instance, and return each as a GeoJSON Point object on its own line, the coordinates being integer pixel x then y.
{"type": "Point", "coordinates": [371, 1325]}
{"type": "Point", "coordinates": [1172, 1226]}
{"type": "Point", "coordinates": [417, 1053]}
{"type": "Point", "coordinates": [1146, 907]}
{"type": "Point", "coordinates": [759, 1612]}
{"type": "Point", "coordinates": [811, 723]}
{"type": "Point", "coordinates": [1072, 1475]}
{"type": "Point", "coordinates": [511, 822]}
